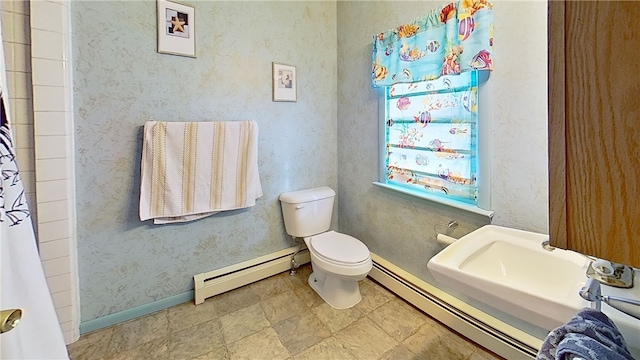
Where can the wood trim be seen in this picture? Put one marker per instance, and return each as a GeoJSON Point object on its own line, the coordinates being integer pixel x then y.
{"type": "Point", "coordinates": [601, 117]}
{"type": "Point", "coordinates": [557, 140]}
{"type": "Point", "coordinates": [593, 135]}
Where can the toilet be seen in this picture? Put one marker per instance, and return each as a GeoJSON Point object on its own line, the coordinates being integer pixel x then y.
{"type": "Point", "coordinates": [338, 260]}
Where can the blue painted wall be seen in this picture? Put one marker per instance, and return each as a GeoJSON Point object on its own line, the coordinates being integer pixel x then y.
{"type": "Point", "coordinates": [329, 137]}
{"type": "Point", "coordinates": [120, 82]}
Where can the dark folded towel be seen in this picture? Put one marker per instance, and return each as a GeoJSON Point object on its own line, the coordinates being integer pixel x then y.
{"type": "Point", "coordinates": [589, 335]}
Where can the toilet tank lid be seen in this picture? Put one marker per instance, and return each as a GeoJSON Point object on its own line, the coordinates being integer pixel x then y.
{"type": "Point", "coordinates": [302, 196]}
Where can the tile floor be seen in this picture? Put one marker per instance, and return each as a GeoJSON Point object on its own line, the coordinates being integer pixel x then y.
{"type": "Point", "coordinates": [281, 318]}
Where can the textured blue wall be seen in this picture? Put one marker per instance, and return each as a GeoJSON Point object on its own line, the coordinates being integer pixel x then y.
{"type": "Point", "coordinates": [120, 82]}
{"type": "Point", "coordinates": [400, 229]}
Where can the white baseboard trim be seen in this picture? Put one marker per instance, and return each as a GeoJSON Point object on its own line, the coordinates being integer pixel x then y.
{"type": "Point", "coordinates": [485, 330]}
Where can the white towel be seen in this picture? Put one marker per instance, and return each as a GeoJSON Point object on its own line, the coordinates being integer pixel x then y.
{"type": "Point", "coordinates": [191, 170]}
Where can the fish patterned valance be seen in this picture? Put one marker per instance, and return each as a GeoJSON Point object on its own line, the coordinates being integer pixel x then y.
{"type": "Point", "coordinates": [454, 38]}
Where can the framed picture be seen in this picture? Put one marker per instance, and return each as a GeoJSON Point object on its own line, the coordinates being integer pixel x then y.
{"type": "Point", "coordinates": [176, 29]}
{"type": "Point", "coordinates": [285, 82]}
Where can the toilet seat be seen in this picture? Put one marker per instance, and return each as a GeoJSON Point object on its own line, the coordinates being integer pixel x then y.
{"type": "Point", "coordinates": [339, 249]}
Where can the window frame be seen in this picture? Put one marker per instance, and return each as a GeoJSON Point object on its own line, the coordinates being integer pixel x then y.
{"type": "Point", "coordinates": [483, 178]}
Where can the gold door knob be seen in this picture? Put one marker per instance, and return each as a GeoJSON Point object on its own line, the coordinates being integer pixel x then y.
{"type": "Point", "coordinates": [9, 319]}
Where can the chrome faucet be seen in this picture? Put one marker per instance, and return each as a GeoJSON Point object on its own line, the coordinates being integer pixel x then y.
{"type": "Point", "coordinates": [591, 292]}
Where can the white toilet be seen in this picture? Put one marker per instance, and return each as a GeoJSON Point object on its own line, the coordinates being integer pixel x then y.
{"type": "Point", "coordinates": [339, 261]}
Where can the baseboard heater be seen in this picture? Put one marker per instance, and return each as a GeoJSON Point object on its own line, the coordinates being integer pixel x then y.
{"type": "Point", "coordinates": [231, 277]}
{"type": "Point", "coordinates": [487, 331]}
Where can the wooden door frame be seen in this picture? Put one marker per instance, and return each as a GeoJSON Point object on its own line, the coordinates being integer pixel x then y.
{"type": "Point", "coordinates": [557, 131]}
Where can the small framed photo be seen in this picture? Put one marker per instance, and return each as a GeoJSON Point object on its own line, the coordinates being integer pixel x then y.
{"type": "Point", "coordinates": [285, 81]}
{"type": "Point", "coordinates": [176, 29]}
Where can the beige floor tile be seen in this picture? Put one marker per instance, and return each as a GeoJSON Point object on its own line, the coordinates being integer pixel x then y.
{"type": "Point", "coordinates": [373, 296]}
{"type": "Point", "coordinates": [271, 286]}
{"type": "Point", "coordinates": [152, 350]}
{"type": "Point", "coordinates": [242, 323]}
{"type": "Point", "coordinates": [308, 296]}
{"type": "Point", "coordinates": [436, 324]}
{"type": "Point", "coordinates": [134, 333]}
{"type": "Point", "coordinates": [262, 345]}
{"type": "Point", "coordinates": [398, 319]}
{"type": "Point", "coordinates": [399, 352]}
{"type": "Point", "coordinates": [283, 306]}
{"type": "Point", "coordinates": [221, 353]}
{"type": "Point", "coordinates": [188, 314]}
{"type": "Point", "coordinates": [425, 337]}
{"type": "Point", "coordinates": [440, 349]}
{"type": "Point", "coordinates": [328, 349]}
{"type": "Point", "coordinates": [461, 345]}
{"type": "Point", "coordinates": [235, 300]}
{"type": "Point", "coordinates": [301, 278]}
{"type": "Point", "coordinates": [482, 354]}
{"type": "Point", "coordinates": [196, 340]}
{"type": "Point", "coordinates": [365, 340]}
{"type": "Point", "coordinates": [335, 319]}
{"type": "Point", "coordinates": [301, 332]}
{"type": "Point", "coordinates": [433, 343]}
{"type": "Point", "coordinates": [281, 318]}
{"type": "Point", "coordinates": [91, 346]}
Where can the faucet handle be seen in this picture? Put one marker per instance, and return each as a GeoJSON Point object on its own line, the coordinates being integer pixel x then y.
{"type": "Point", "coordinates": [603, 267]}
{"type": "Point", "coordinates": [591, 292]}
{"type": "Point", "coordinates": [612, 274]}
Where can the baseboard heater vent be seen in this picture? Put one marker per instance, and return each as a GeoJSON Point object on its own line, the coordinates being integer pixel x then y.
{"type": "Point", "coordinates": [231, 277]}
{"type": "Point", "coordinates": [509, 342]}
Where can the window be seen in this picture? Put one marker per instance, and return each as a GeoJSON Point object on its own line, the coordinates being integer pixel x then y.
{"type": "Point", "coordinates": [430, 140]}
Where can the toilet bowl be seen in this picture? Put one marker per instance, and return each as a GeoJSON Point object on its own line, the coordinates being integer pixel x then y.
{"type": "Point", "coordinates": [338, 260]}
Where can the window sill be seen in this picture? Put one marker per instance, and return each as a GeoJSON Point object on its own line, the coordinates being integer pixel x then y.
{"type": "Point", "coordinates": [437, 199]}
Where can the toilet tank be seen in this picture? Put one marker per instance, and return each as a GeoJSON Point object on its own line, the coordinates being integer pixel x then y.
{"type": "Point", "coordinates": [307, 212]}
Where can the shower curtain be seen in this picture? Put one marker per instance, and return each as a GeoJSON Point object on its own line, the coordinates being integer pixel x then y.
{"type": "Point", "coordinates": [22, 281]}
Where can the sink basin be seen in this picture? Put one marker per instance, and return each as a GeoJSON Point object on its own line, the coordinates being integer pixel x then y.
{"type": "Point", "coordinates": [509, 270]}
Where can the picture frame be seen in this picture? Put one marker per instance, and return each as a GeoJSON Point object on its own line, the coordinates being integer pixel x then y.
{"type": "Point", "coordinates": [176, 29]}
{"type": "Point", "coordinates": [285, 82]}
